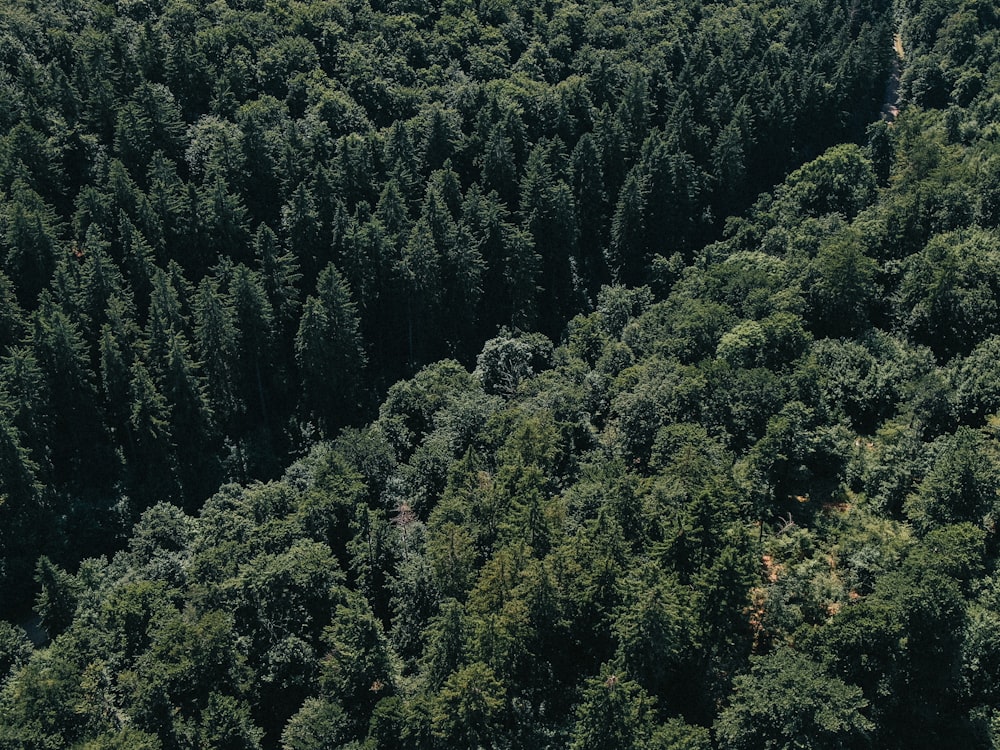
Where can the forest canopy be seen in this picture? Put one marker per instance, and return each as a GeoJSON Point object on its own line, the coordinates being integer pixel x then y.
{"type": "Point", "coordinates": [499, 375]}
{"type": "Point", "coordinates": [227, 228]}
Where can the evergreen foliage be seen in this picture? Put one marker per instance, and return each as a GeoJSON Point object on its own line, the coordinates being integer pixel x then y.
{"type": "Point", "coordinates": [499, 375]}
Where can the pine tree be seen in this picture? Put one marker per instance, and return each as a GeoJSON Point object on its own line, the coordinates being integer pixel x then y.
{"type": "Point", "coordinates": [152, 468]}
{"type": "Point", "coordinates": [215, 347]}
{"type": "Point", "coordinates": [439, 138]}
{"type": "Point", "coordinates": [226, 234]}
{"type": "Point", "coordinates": [257, 371]}
{"type": "Point", "coordinates": [260, 121]}
{"type": "Point", "coordinates": [633, 111]}
{"type": "Point", "coordinates": [28, 409]}
{"type": "Point", "coordinates": [357, 670]}
{"type": "Point", "coordinates": [23, 517]}
{"type": "Point", "coordinates": [587, 184]}
{"type": "Point", "coordinates": [419, 272]}
{"type": "Point", "coordinates": [120, 193]}
{"type": "Point", "coordinates": [498, 168]}
{"type": "Point", "coordinates": [77, 437]}
{"type": "Point", "coordinates": [675, 205]}
{"type": "Point", "coordinates": [57, 599]}
{"type": "Point", "coordinates": [446, 638]}
{"type": "Point", "coordinates": [170, 205]}
{"type": "Point", "coordinates": [329, 354]}
{"type": "Point", "coordinates": [401, 162]}
{"type": "Point", "coordinates": [165, 318]}
{"type": "Point", "coordinates": [136, 258]}
{"type": "Point", "coordinates": [509, 278]}
{"type": "Point", "coordinates": [627, 256]}
{"type": "Point", "coordinates": [615, 712]}
{"type": "Point", "coordinates": [29, 231]}
{"type": "Point", "coordinates": [300, 231]}
{"type": "Point", "coordinates": [11, 315]}
{"type": "Point", "coordinates": [548, 215]}
{"type": "Point", "coordinates": [100, 280]}
{"type": "Point", "coordinates": [190, 420]}
{"type": "Point", "coordinates": [281, 277]}
{"type": "Point", "coordinates": [392, 212]}
{"type": "Point", "coordinates": [354, 169]}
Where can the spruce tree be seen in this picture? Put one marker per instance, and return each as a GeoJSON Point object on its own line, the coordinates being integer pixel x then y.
{"type": "Point", "coordinates": [329, 354]}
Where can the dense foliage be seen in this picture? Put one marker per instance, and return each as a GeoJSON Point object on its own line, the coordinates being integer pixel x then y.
{"type": "Point", "coordinates": [746, 498]}
{"type": "Point", "coordinates": [226, 228]}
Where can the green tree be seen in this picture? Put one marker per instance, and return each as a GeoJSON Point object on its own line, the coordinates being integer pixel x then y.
{"type": "Point", "coordinates": [191, 421]}
{"type": "Point", "coordinates": [420, 278]}
{"type": "Point", "coordinates": [961, 484]}
{"type": "Point", "coordinates": [225, 723]}
{"type": "Point", "coordinates": [655, 632]}
{"type": "Point", "coordinates": [357, 670]}
{"type": "Point", "coordinates": [58, 596]}
{"type": "Point", "coordinates": [947, 298]}
{"type": "Point", "coordinates": [15, 648]}
{"type": "Point", "coordinates": [281, 275]}
{"type": "Point", "coordinates": [469, 708]}
{"type": "Point", "coordinates": [191, 659]}
{"type": "Point", "coordinates": [319, 725]}
{"type": "Point", "coordinates": [587, 183]}
{"type": "Point", "coordinates": [614, 712]}
{"type": "Point", "coordinates": [215, 346]}
{"type": "Point", "coordinates": [23, 516]}
{"type": "Point", "coordinates": [254, 360]}
{"type": "Point", "coordinates": [329, 353]}
{"type": "Point", "coordinates": [840, 180]}
{"type": "Point", "coordinates": [29, 230]}
{"type": "Point", "coordinates": [225, 222]}
{"type": "Point", "coordinates": [627, 251]}
{"type": "Point", "coordinates": [152, 469]}
{"type": "Point", "coordinates": [788, 701]}
{"type": "Point", "coordinates": [300, 230]}
{"type": "Point", "coordinates": [446, 636]}
{"type": "Point", "coordinates": [77, 438]}
{"type": "Point", "coordinates": [844, 289]}
{"type": "Point", "coordinates": [548, 214]}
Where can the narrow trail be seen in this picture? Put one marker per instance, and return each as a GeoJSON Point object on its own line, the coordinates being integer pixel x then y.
{"type": "Point", "coordinates": [890, 103]}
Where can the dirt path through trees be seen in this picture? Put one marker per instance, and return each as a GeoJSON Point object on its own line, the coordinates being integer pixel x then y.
{"type": "Point", "coordinates": [890, 105]}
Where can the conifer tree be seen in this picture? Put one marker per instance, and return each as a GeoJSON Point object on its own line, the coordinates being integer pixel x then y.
{"type": "Point", "coordinates": [29, 232]}
{"type": "Point", "coordinates": [300, 231]}
{"type": "Point", "coordinates": [257, 370]}
{"type": "Point", "coordinates": [152, 468]}
{"type": "Point", "coordinates": [548, 214]}
{"type": "Point", "coordinates": [615, 712]}
{"type": "Point", "coordinates": [77, 434]}
{"type": "Point", "coordinates": [281, 277]}
{"type": "Point", "coordinates": [587, 184]}
{"type": "Point", "coordinates": [215, 347]}
{"type": "Point", "coordinates": [419, 272]}
{"type": "Point", "coordinates": [23, 518]}
{"type": "Point", "coordinates": [165, 318]}
{"type": "Point", "coordinates": [100, 281]}
{"type": "Point", "coordinates": [190, 417]}
{"type": "Point", "coordinates": [627, 252]}
{"type": "Point", "coordinates": [116, 385]}
{"type": "Point", "coordinates": [11, 314]}
{"type": "Point", "coordinates": [329, 353]}
{"type": "Point", "coordinates": [225, 220]}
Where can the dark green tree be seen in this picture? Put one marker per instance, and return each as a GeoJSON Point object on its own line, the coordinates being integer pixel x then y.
{"type": "Point", "coordinates": [614, 712]}
{"type": "Point", "coordinates": [468, 710]}
{"type": "Point", "coordinates": [329, 353]}
{"type": "Point", "coordinates": [787, 701]}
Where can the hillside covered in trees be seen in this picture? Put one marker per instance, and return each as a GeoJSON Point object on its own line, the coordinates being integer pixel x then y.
{"type": "Point", "coordinates": [227, 228]}
{"type": "Point", "coordinates": [576, 375]}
